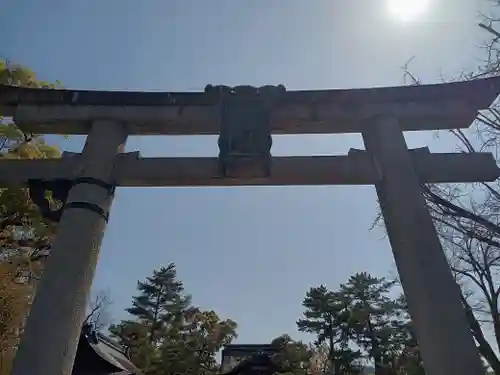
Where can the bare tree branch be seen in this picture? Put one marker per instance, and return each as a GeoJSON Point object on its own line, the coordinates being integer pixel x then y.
{"type": "Point", "coordinates": [98, 310]}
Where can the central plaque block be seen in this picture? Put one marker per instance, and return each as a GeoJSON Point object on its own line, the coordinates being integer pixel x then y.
{"type": "Point", "coordinates": [245, 133]}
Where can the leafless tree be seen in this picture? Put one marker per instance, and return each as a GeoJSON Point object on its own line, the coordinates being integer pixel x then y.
{"type": "Point", "coordinates": [98, 314]}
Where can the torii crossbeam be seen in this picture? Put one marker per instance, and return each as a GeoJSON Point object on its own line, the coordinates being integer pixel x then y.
{"type": "Point", "coordinates": [381, 115]}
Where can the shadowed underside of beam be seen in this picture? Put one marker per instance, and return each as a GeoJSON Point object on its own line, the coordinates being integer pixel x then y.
{"type": "Point", "coordinates": [354, 169]}
{"type": "Point", "coordinates": [425, 107]}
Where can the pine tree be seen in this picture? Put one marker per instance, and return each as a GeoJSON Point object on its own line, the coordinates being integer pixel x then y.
{"type": "Point", "coordinates": [161, 302]}
{"type": "Point", "coordinates": [157, 313]}
{"type": "Point", "coordinates": [328, 318]}
{"type": "Point", "coordinates": [377, 319]}
{"type": "Point", "coordinates": [168, 336]}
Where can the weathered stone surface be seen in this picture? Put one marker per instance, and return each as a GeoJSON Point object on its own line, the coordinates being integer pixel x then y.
{"type": "Point", "coordinates": [425, 107]}
{"type": "Point", "coordinates": [354, 169]}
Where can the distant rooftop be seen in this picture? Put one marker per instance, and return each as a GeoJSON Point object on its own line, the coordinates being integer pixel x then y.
{"type": "Point", "coordinates": [99, 354]}
{"type": "Point", "coordinates": [248, 347]}
{"type": "Point", "coordinates": [233, 355]}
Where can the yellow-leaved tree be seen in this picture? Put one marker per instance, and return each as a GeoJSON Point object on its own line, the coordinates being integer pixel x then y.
{"type": "Point", "coordinates": [25, 237]}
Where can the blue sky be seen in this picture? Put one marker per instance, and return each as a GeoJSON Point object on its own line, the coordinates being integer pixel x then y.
{"type": "Point", "coordinates": [249, 253]}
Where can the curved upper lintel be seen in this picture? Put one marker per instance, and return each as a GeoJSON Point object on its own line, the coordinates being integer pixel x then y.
{"type": "Point", "coordinates": [424, 107]}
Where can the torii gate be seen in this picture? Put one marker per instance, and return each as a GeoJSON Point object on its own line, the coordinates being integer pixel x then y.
{"type": "Point", "coordinates": [246, 117]}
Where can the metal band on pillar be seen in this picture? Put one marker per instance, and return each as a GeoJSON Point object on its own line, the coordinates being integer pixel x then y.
{"type": "Point", "coordinates": [110, 188]}
{"type": "Point", "coordinates": [75, 250]}
{"type": "Point", "coordinates": [90, 207]}
{"type": "Point", "coordinates": [95, 181]}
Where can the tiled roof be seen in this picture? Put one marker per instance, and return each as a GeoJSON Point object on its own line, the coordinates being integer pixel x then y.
{"type": "Point", "coordinates": [113, 353]}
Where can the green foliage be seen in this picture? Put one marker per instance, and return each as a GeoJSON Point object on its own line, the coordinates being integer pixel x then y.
{"type": "Point", "coordinates": [361, 321]}
{"type": "Point", "coordinates": [135, 337]}
{"type": "Point", "coordinates": [293, 356]}
{"type": "Point", "coordinates": [25, 237]}
{"type": "Point", "coordinates": [375, 317]}
{"type": "Point", "coordinates": [157, 311]}
{"type": "Point", "coordinates": [168, 335]}
{"type": "Point", "coordinates": [328, 317]}
{"type": "Point", "coordinates": [191, 349]}
{"type": "Point", "coordinates": [16, 209]}
{"type": "Point", "coordinates": [160, 303]}
{"type": "Point", "coordinates": [19, 75]}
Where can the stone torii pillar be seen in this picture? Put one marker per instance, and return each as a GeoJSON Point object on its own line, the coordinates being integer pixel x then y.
{"type": "Point", "coordinates": [433, 297]}
{"type": "Point", "coordinates": [63, 291]}
{"type": "Point", "coordinates": [431, 292]}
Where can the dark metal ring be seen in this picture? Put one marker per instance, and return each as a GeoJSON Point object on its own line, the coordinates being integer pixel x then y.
{"type": "Point", "coordinates": [95, 181]}
{"type": "Point", "coordinates": [88, 206]}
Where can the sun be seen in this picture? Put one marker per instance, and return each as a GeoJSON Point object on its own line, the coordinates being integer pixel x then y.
{"type": "Point", "coordinates": [407, 10]}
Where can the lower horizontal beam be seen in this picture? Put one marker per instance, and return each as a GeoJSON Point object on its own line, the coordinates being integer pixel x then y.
{"type": "Point", "coordinates": [293, 170]}
{"type": "Point", "coordinates": [357, 168]}
{"type": "Point", "coordinates": [16, 172]}
{"type": "Point", "coordinates": [452, 167]}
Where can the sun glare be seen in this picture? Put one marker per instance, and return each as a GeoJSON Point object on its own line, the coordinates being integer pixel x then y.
{"type": "Point", "coordinates": [407, 10]}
